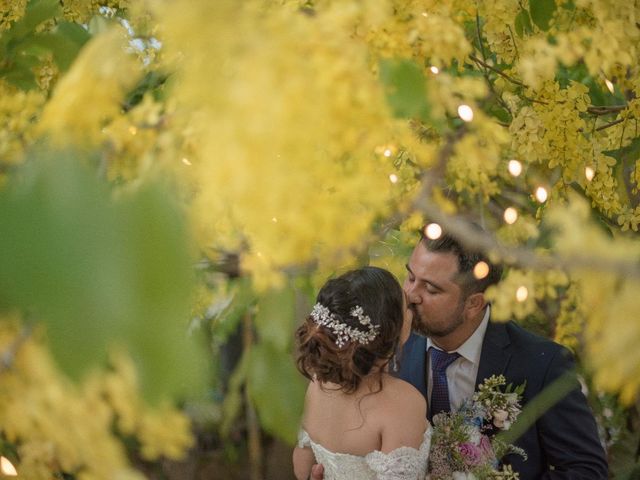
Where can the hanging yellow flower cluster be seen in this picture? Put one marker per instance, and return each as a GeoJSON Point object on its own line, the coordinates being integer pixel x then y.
{"type": "Point", "coordinates": [275, 173]}
{"type": "Point", "coordinates": [59, 426]}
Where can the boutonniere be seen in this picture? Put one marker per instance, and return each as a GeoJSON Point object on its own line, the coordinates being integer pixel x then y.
{"type": "Point", "coordinates": [464, 445]}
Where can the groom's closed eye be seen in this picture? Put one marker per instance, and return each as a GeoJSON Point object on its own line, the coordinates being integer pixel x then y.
{"type": "Point", "coordinates": [433, 288]}
{"type": "Point", "coordinates": [429, 286]}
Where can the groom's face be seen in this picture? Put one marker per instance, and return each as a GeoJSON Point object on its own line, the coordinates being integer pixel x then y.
{"type": "Point", "coordinates": [435, 298]}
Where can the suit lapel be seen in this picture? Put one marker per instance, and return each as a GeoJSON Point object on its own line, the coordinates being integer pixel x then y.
{"type": "Point", "coordinates": [495, 354]}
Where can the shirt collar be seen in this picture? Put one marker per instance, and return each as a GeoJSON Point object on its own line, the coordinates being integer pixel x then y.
{"type": "Point", "coordinates": [472, 347]}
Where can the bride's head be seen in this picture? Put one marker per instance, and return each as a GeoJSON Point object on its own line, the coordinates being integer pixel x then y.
{"type": "Point", "coordinates": [355, 327]}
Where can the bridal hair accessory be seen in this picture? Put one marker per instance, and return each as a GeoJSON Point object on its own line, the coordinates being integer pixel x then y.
{"type": "Point", "coordinates": [344, 333]}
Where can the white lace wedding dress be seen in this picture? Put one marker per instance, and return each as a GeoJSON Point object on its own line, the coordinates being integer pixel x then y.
{"type": "Point", "coordinates": [404, 463]}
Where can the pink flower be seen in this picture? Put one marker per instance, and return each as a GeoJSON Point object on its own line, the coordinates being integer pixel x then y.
{"type": "Point", "coordinates": [471, 454]}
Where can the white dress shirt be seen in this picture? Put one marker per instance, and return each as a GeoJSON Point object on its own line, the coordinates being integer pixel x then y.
{"type": "Point", "coordinates": [462, 373]}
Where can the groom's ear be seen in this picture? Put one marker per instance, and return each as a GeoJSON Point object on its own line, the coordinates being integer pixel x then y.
{"type": "Point", "coordinates": [475, 303]}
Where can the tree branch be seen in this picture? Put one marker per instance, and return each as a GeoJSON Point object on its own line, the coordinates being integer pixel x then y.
{"type": "Point", "coordinates": [496, 70]}
{"type": "Point", "coordinates": [593, 109]}
{"type": "Point", "coordinates": [604, 109]}
{"type": "Point", "coordinates": [524, 257]}
{"type": "Point", "coordinates": [484, 57]}
{"type": "Point", "coordinates": [533, 100]}
{"type": "Point", "coordinates": [610, 124]}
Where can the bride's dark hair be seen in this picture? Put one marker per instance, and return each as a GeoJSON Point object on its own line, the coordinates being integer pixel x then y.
{"type": "Point", "coordinates": [379, 294]}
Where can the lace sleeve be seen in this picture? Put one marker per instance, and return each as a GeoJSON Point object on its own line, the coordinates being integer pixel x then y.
{"type": "Point", "coordinates": [303, 439]}
{"type": "Point", "coordinates": [404, 463]}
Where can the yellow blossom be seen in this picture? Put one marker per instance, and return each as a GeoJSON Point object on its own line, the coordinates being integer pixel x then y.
{"type": "Point", "coordinates": [67, 117]}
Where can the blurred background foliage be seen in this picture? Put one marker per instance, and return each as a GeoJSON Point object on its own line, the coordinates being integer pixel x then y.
{"type": "Point", "coordinates": [177, 179]}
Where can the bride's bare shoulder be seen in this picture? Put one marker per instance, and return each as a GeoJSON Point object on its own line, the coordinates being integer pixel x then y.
{"type": "Point", "coordinates": [405, 416]}
{"type": "Point", "coordinates": [402, 393]}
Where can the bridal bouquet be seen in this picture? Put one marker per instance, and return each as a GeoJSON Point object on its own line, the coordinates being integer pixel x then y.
{"type": "Point", "coordinates": [463, 445]}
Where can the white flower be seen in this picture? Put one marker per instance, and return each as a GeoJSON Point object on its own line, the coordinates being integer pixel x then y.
{"type": "Point", "coordinates": [463, 476]}
{"type": "Point", "coordinates": [473, 434]}
{"type": "Point", "coordinates": [500, 419]}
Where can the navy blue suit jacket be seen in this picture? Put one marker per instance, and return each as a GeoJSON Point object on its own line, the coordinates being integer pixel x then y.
{"type": "Point", "coordinates": [563, 443]}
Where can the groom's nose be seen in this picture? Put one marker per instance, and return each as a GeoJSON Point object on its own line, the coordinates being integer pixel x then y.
{"type": "Point", "coordinates": [415, 299]}
{"type": "Point", "coordinates": [412, 296]}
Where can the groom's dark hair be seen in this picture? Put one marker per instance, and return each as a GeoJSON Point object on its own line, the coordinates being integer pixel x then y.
{"type": "Point", "coordinates": [468, 258]}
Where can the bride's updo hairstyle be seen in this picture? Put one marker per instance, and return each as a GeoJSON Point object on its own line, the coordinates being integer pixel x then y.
{"type": "Point", "coordinates": [325, 353]}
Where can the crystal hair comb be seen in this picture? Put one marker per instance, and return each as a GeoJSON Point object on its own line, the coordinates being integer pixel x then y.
{"type": "Point", "coordinates": [344, 333]}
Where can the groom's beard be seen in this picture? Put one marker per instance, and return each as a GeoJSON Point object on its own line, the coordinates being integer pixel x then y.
{"type": "Point", "coordinates": [417, 324]}
{"type": "Point", "coordinates": [421, 326]}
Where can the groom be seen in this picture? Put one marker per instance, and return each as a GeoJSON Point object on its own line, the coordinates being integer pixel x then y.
{"type": "Point", "coordinates": [451, 315]}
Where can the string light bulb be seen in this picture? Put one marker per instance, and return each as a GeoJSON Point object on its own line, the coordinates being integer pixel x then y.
{"type": "Point", "coordinates": [186, 161]}
{"type": "Point", "coordinates": [522, 293]}
{"type": "Point", "coordinates": [387, 152]}
{"type": "Point", "coordinates": [433, 231]}
{"type": "Point", "coordinates": [541, 194]}
{"type": "Point", "coordinates": [465, 112]}
{"type": "Point", "coordinates": [510, 215]}
{"type": "Point", "coordinates": [589, 173]}
{"type": "Point", "coordinates": [7, 468]}
{"type": "Point", "coordinates": [393, 178]}
{"type": "Point", "coordinates": [274, 220]}
{"type": "Point", "coordinates": [609, 85]}
{"type": "Point", "coordinates": [133, 130]}
{"type": "Point", "coordinates": [514, 167]}
{"type": "Point", "coordinates": [435, 70]}
{"type": "Point", "coordinates": [481, 270]}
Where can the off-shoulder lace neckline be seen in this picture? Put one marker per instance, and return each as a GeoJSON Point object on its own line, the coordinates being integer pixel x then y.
{"type": "Point", "coordinates": [425, 441]}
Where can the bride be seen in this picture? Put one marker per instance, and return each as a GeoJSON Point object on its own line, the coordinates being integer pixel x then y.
{"type": "Point", "coordinates": [359, 421]}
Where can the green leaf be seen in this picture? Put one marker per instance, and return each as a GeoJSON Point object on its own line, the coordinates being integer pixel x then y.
{"type": "Point", "coordinates": [497, 111]}
{"type": "Point", "coordinates": [76, 33]}
{"type": "Point", "coordinates": [18, 55]}
{"type": "Point", "coordinates": [406, 88]}
{"type": "Point", "coordinates": [542, 12]}
{"type": "Point", "coordinates": [23, 48]}
{"type": "Point", "coordinates": [523, 23]}
{"type": "Point", "coordinates": [277, 390]}
{"type": "Point", "coordinates": [275, 318]}
{"type": "Point", "coordinates": [100, 272]}
{"type": "Point", "coordinates": [536, 407]}
{"type": "Point", "coordinates": [152, 231]}
{"type": "Point", "coordinates": [64, 42]}
{"type": "Point", "coordinates": [37, 11]}
{"type": "Point", "coordinates": [623, 455]}
{"type": "Point", "coordinates": [151, 82]}
{"type": "Point", "coordinates": [20, 77]}
{"type": "Point", "coordinates": [243, 300]}
{"type": "Point", "coordinates": [70, 38]}
{"type": "Point", "coordinates": [629, 153]}
{"type": "Point", "coordinates": [99, 24]}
